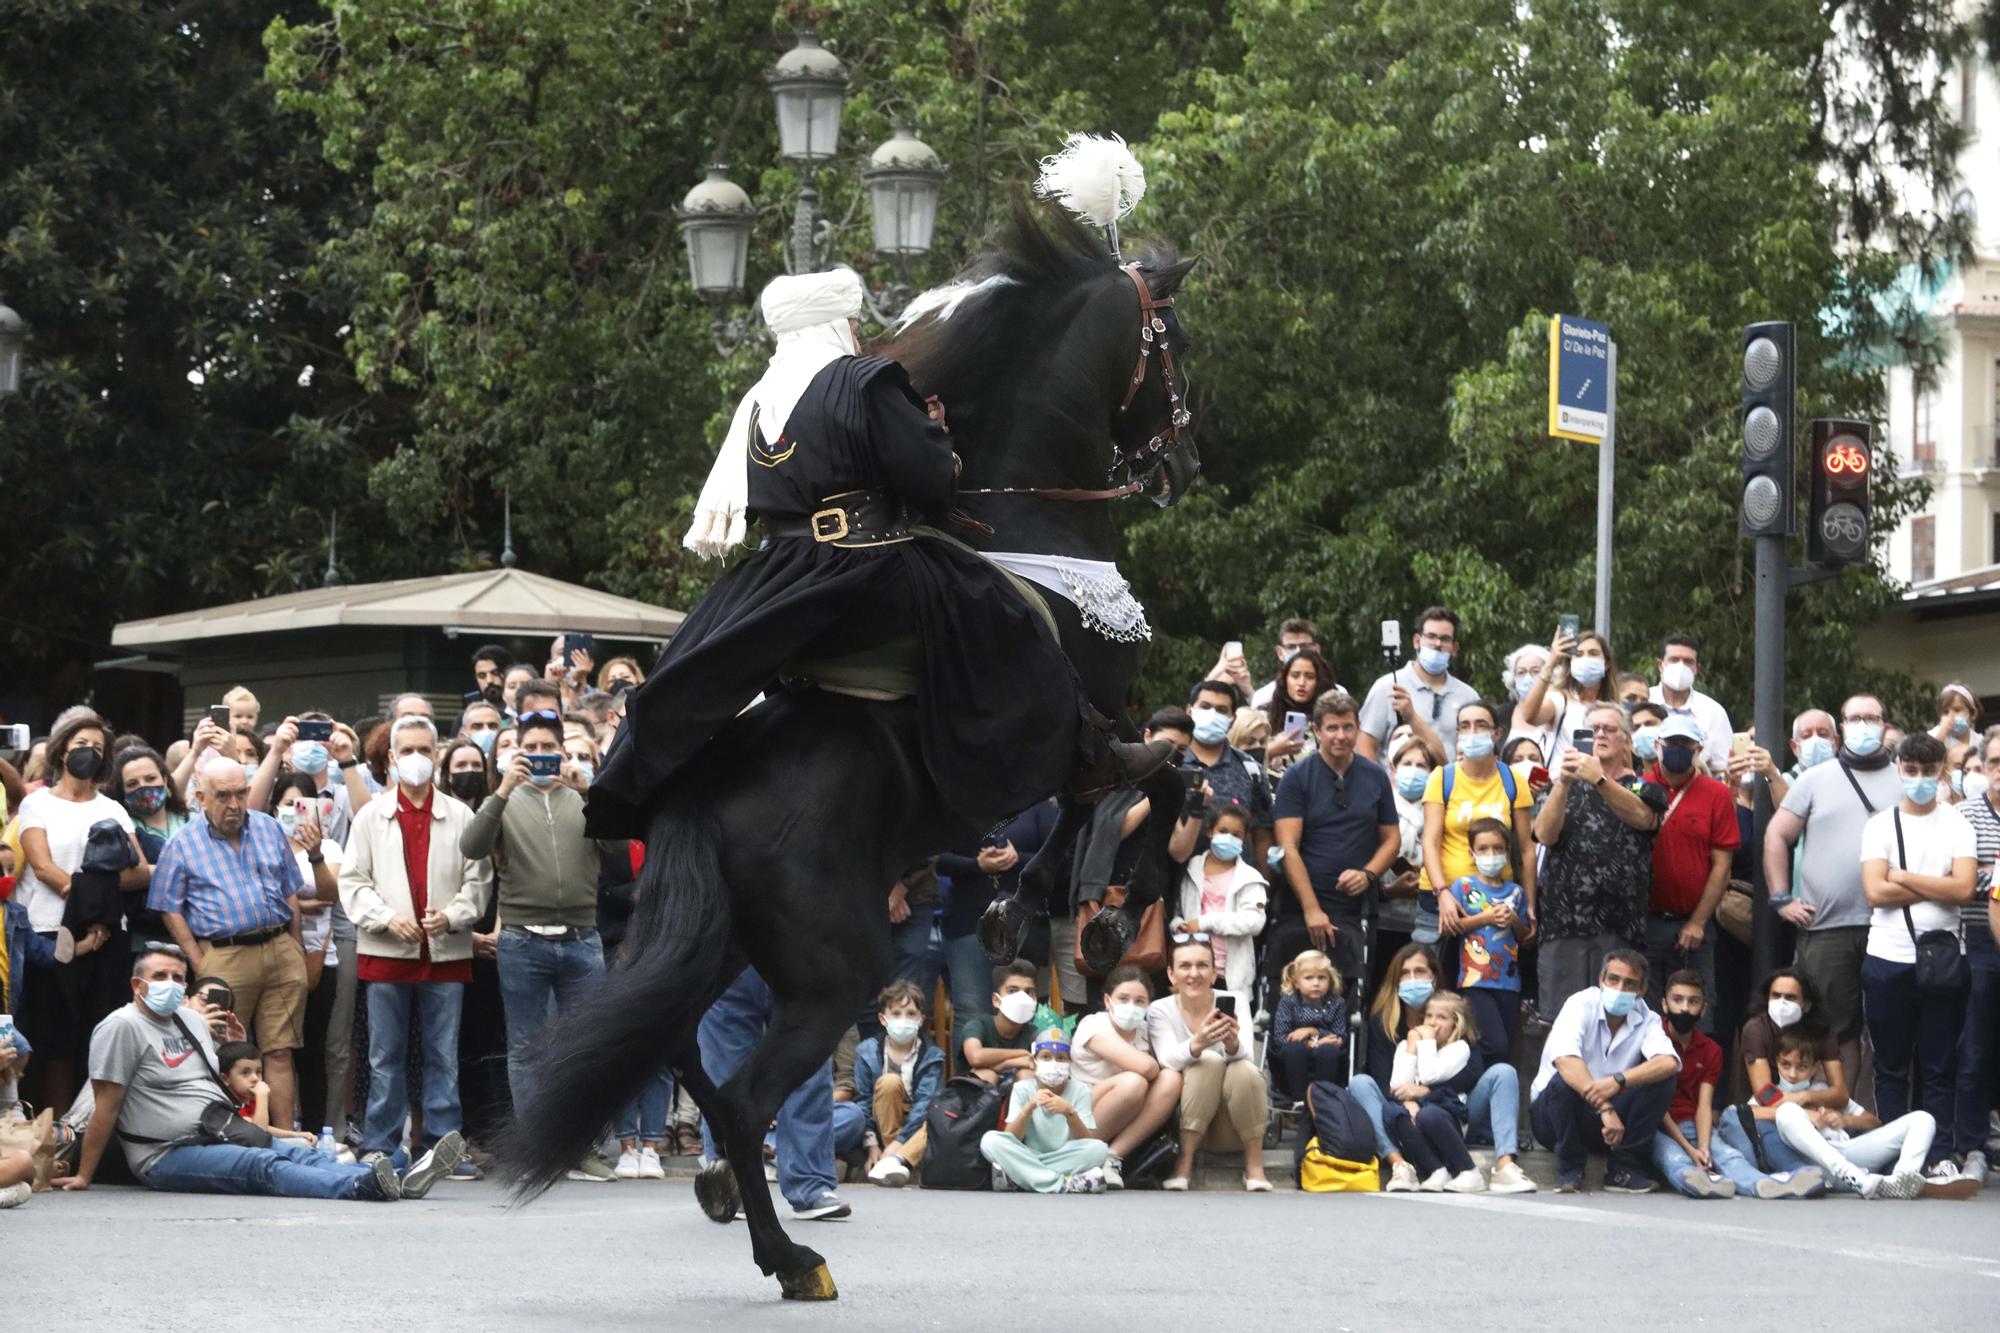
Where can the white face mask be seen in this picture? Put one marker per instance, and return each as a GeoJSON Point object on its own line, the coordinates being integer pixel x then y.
{"type": "Point", "coordinates": [1128, 1017]}
{"type": "Point", "coordinates": [1052, 1073]}
{"type": "Point", "coordinates": [903, 1031]}
{"type": "Point", "coordinates": [414, 770]}
{"type": "Point", "coordinates": [1786, 1012]}
{"type": "Point", "coordinates": [1017, 1007]}
{"type": "Point", "coordinates": [1677, 676]}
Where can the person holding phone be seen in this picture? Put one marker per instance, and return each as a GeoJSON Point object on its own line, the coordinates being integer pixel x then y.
{"type": "Point", "coordinates": [1196, 1030]}
{"type": "Point", "coordinates": [1577, 675]}
{"type": "Point", "coordinates": [1305, 677]}
{"type": "Point", "coordinates": [1422, 693]}
{"type": "Point", "coordinates": [1232, 777]}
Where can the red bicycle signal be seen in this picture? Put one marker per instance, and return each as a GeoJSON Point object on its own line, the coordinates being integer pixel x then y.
{"type": "Point", "coordinates": [1846, 458]}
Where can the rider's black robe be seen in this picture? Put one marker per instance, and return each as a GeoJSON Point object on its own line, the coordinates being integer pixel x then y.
{"type": "Point", "coordinates": [997, 698]}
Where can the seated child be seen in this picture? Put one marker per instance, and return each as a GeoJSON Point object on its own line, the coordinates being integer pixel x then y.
{"type": "Point", "coordinates": [996, 1044]}
{"type": "Point", "coordinates": [14, 1053]}
{"type": "Point", "coordinates": [1686, 1153]}
{"type": "Point", "coordinates": [1435, 1069]}
{"type": "Point", "coordinates": [1047, 1146]}
{"type": "Point", "coordinates": [1489, 950]}
{"type": "Point", "coordinates": [1856, 1150]}
{"type": "Point", "coordinates": [242, 1066]}
{"type": "Point", "coordinates": [895, 1075]}
{"type": "Point", "coordinates": [1309, 1031]}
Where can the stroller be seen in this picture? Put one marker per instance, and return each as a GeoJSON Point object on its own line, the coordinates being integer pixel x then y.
{"type": "Point", "coordinates": [1287, 1109]}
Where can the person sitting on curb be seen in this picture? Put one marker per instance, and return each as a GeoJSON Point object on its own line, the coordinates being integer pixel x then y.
{"type": "Point", "coordinates": [1050, 1144]}
{"type": "Point", "coordinates": [895, 1075]}
{"type": "Point", "coordinates": [1607, 1078]}
{"type": "Point", "coordinates": [1856, 1149]}
{"type": "Point", "coordinates": [996, 1044]}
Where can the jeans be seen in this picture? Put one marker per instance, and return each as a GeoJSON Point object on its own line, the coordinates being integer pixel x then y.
{"type": "Point", "coordinates": [1904, 1023]}
{"type": "Point", "coordinates": [970, 978]}
{"type": "Point", "coordinates": [1670, 1159]}
{"type": "Point", "coordinates": [534, 973]}
{"type": "Point", "coordinates": [437, 1005]}
{"type": "Point", "coordinates": [1895, 1147]}
{"type": "Point", "coordinates": [1664, 957]}
{"type": "Point", "coordinates": [850, 1122]}
{"type": "Point", "coordinates": [1973, 1086]}
{"type": "Point", "coordinates": [1572, 1126]}
{"type": "Point", "coordinates": [288, 1169]}
{"type": "Point", "coordinates": [728, 1032]}
{"type": "Point", "coordinates": [1783, 1158]}
{"type": "Point", "coordinates": [1493, 1111]}
{"type": "Point", "coordinates": [646, 1119]}
{"type": "Point", "coordinates": [917, 961]}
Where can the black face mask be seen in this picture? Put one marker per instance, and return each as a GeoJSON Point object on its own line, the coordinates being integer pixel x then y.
{"type": "Point", "coordinates": [82, 763]}
{"type": "Point", "coordinates": [1681, 1021]}
{"type": "Point", "coordinates": [1676, 758]}
{"type": "Point", "coordinates": [468, 786]}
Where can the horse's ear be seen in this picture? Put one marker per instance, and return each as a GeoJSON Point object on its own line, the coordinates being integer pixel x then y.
{"type": "Point", "coordinates": [1165, 282]}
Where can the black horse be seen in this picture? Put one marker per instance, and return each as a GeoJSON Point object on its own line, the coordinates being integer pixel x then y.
{"type": "Point", "coordinates": [1058, 374]}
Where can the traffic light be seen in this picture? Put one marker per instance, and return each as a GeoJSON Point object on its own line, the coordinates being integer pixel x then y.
{"type": "Point", "coordinates": [1769, 381]}
{"type": "Point", "coordinates": [1843, 460]}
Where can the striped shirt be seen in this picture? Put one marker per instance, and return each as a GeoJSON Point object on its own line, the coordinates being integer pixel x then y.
{"type": "Point", "coordinates": [1986, 849]}
{"type": "Point", "coordinates": [227, 888]}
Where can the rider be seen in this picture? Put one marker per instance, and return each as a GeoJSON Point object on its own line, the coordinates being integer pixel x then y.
{"type": "Point", "coordinates": [855, 589]}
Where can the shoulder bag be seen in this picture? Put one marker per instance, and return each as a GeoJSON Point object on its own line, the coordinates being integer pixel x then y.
{"type": "Point", "coordinates": [1941, 968]}
{"type": "Point", "coordinates": [219, 1122]}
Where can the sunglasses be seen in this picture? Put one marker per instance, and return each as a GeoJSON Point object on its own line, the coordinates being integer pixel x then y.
{"type": "Point", "coordinates": [541, 715]}
{"type": "Point", "coordinates": [1183, 936]}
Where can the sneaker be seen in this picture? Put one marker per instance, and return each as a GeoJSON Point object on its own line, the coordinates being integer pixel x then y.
{"type": "Point", "coordinates": [829, 1207]}
{"type": "Point", "coordinates": [628, 1164]}
{"type": "Point", "coordinates": [1467, 1182]}
{"type": "Point", "coordinates": [1869, 1185]}
{"type": "Point", "coordinates": [649, 1164]}
{"type": "Point", "coordinates": [1975, 1166]}
{"type": "Point", "coordinates": [1696, 1184]}
{"type": "Point", "coordinates": [1004, 1183]}
{"type": "Point", "coordinates": [1570, 1180]}
{"type": "Point", "coordinates": [1114, 1172]}
{"type": "Point", "coordinates": [891, 1171]}
{"type": "Point", "coordinates": [1435, 1182]}
{"type": "Point", "coordinates": [467, 1170]}
{"type": "Point", "coordinates": [433, 1166]}
{"type": "Point", "coordinates": [1902, 1185]}
{"type": "Point", "coordinates": [381, 1184]}
{"type": "Point", "coordinates": [1172, 1184]}
{"type": "Point", "coordinates": [1618, 1181]}
{"type": "Point", "coordinates": [1084, 1182]}
{"type": "Point", "coordinates": [593, 1169]}
{"type": "Point", "coordinates": [1946, 1181]}
{"type": "Point", "coordinates": [1509, 1179]}
{"type": "Point", "coordinates": [1402, 1179]}
{"type": "Point", "coordinates": [15, 1195]}
{"type": "Point", "coordinates": [1800, 1184]}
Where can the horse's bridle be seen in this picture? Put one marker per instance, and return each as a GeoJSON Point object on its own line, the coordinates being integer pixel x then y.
{"type": "Point", "coordinates": [1152, 327]}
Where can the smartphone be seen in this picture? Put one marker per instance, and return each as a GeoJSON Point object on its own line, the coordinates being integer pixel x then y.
{"type": "Point", "coordinates": [1739, 744]}
{"type": "Point", "coordinates": [219, 715]}
{"type": "Point", "coordinates": [1581, 739]}
{"type": "Point", "coordinates": [1538, 776]}
{"type": "Point", "coordinates": [1569, 623]}
{"type": "Point", "coordinates": [14, 736]}
{"type": "Point", "coordinates": [1225, 1003]}
{"type": "Point", "coordinates": [1392, 643]}
{"type": "Point", "coordinates": [1769, 1095]}
{"type": "Point", "coordinates": [1192, 778]}
{"type": "Point", "coordinates": [544, 765]}
{"type": "Point", "coordinates": [315, 731]}
{"type": "Point", "coordinates": [575, 641]}
{"type": "Point", "coordinates": [1402, 865]}
{"type": "Point", "coordinates": [1295, 724]}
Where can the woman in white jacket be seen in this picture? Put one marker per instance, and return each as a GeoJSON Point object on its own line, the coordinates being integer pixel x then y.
{"type": "Point", "coordinates": [1223, 897]}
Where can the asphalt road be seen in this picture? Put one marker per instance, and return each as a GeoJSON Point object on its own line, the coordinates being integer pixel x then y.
{"type": "Point", "coordinates": [635, 1255]}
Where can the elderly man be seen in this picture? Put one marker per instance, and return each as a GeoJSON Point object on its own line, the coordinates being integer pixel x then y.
{"type": "Point", "coordinates": [227, 886]}
{"type": "Point", "coordinates": [413, 895]}
{"type": "Point", "coordinates": [1607, 1078]}
{"type": "Point", "coordinates": [1815, 740]}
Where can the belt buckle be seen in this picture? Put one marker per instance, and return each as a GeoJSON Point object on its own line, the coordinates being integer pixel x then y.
{"type": "Point", "coordinates": [822, 534]}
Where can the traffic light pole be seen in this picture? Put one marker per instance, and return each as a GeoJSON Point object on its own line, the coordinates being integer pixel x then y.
{"type": "Point", "coordinates": [1774, 578]}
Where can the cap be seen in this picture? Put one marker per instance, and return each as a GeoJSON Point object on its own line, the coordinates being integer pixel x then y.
{"type": "Point", "coordinates": [1680, 724]}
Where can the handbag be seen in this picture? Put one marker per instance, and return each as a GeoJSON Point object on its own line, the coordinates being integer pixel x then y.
{"type": "Point", "coordinates": [1941, 968]}
{"type": "Point", "coordinates": [1144, 941]}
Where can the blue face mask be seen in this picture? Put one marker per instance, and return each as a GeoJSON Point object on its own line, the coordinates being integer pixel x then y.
{"type": "Point", "coordinates": [1418, 991]}
{"type": "Point", "coordinates": [163, 997]}
{"type": "Point", "coordinates": [1586, 670]}
{"type": "Point", "coordinates": [1921, 790]}
{"type": "Point", "coordinates": [1814, 751]}
{"type": "Point", "coordinates": [1226, 845]}
{"type": "Point", "coordinates": [1475, 745]}
{"type": "Point", "coordinates": [309, 757]}
{"type": "Point", "coordinates": [1491, 866]}
{"type": "Point", "coordinates": [1434, 661]}
{"type": "Point", "coordinates": [1676, 758]}
{"type": "Point", "coordinates": [484, 740]}
{"type": "Point", "coordinates": [1861, 738]}
{"type": "Point", "coordinates": [1210, 726]}
{"type": "Point", "coordinates": [1410, 782]}
{"type": "Point", "coordinates": [1794, 1084]}
{"type": "Point", "coordinates": [1646, 743]}
{"type": "Point", "coordinates": [585, 770]}
{"type": "Point", "coordinates": [1524, 685]}
{"type": "Point", "coordinates": [1617, 1003]}
{"type": "Point", "coordinates": [1960, 724]}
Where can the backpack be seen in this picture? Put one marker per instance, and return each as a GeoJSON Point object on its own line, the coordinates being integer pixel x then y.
{"type": "Point", "coordinates": [1506, 783]}
{"type": "Point", "coordinates": [961, 1113]}
{"type": "Point", "coordinates": [1339, 1155]}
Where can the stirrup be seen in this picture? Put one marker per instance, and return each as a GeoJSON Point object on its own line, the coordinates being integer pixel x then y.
{"type": "Point", "coordinates": [1105, 939]}
{"type": "Point", "coordinates": [1003, 927]}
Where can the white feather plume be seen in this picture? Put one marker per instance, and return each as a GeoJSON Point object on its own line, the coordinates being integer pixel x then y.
{"type": "Point", "coordinates": [943, 302]}
{"type": "Point", "coordinates": [1095, 178]}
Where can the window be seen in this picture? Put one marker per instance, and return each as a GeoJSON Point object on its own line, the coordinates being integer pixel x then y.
{"type": "Point", "coordinates": [1923, 436]}
{"type": "Point", "coordinates": [1923, 549]}
{"type": "Point", "coordinates": [1968, 96]}
{"type": "Point", "coordinates": [1994, 558]}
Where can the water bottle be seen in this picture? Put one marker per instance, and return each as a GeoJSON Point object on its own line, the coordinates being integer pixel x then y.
{"type": "Point", "coordinates": [326, 1143]}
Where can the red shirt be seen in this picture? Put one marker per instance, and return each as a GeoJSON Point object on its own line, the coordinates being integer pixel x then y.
{"type": "Point", "coordinates": [414, 823]}
{"type": "Point", "coordinates": [1701, 818]}
{"type": "Point", "coordinates": [1701, 1062]}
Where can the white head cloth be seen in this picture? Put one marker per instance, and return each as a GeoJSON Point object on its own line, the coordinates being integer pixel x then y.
{"type": "Point", "coordinates": [808, 317]}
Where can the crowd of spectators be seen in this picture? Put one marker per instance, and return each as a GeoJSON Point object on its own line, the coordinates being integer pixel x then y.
{"type": "Point", "coordinates": [305, 955]}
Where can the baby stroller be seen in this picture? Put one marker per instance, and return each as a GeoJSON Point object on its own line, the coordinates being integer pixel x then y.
{"type": "Point", "coordinates": [1286, 1108]}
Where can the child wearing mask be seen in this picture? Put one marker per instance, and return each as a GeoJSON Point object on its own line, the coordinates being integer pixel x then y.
{"type": "Point", "coordinates": [895, 1075]}
{"type": "Point", "coordinates": [996, 1047]}
{"type": "Point", "coordinates": [1309, 1031]}
{"type": "Point", "coordinates": [1048, 1145]}
{"type": "Point", "coordinates": [1435, 1070]}
{"type": "Point", "coordinates": [1492, 919]}
{"type": "Point", "coordinates": [1856, 1150]}
{"type": "Point", "coordinates": [1223, 896]}
{"type": "Point", "coordinates": [1685, 1152]}
{"type": "Point", "coordinates": [1131, 1095]}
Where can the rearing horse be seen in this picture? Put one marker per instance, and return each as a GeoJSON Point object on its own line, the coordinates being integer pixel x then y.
{"type": "Point", "coordinates": [1058, 370]}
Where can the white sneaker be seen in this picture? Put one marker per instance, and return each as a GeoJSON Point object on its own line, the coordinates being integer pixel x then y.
{"type": "Point", "coordinates": [1084, 1182]}
{"type": "Point", "coordinates": [1902, 1185]}
{"type": "Point", "coordinates": [1510, 1179]}
{"type": "Point", "coordinates": [15, 1195]}
{"type": "Point", "coordinates": [649, 1164]}
{"type": "Point", "coordinates": [1868, 1185]}
{"type": "Point", "coordinates": [1435, 1182]}
{"type": "Point", "coordinates": [1467, 1182]}
{"type": "Point", "coordinates": [1004, 1183]}
{"type": "Point", "coordinates": [891, 1171]}
{"type": "Point", "coordinates": [1402, 1179]}
{"type": "Point", "coordinates": [1114, 1172]}
{"type": "Point", "coordinates": [628, 1165]}
{"type": "Point", "coordinates": [1975, 1166]}
{"type": "Point", "coordinates": [1698, 1184]}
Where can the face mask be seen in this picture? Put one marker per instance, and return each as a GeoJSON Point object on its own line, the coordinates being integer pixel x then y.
{"type": "Point", "coordinates": [1017, 1007]}
{"type": "Point", "coordinates": [1226, 845]}
{"type": "Point", "coordinates": [584, 769]}
{"type": "Point", "coordinates": [1410, 782]}
{"type": "Point", "coordinates": [309, 758]}
{"type": "Point", "coordinates": [1814, 751]}
{"type": "Point", "coordinates": [1475, 745]}
{"type": "Point", "coordinates": [1682, 1023]}
{"type": "Point", "coordinates": [249, 771]}
{"type": "Point", "coordinates": [1794, 1084]}
{"type": "Point", "coordinates": [1433, 660]}
{"type": "Point", "coordinates": [1524, 685]}
{"type": "Point", "coordinates": [1677, 676]}
{"type": "Point", "coordinates": [1128, 1017]}
{"type": "Point", "coordinates": [1210, 727]}
{"type": "Point", "coordinates": [484, 740]}
{"type": "Point", "coordinates": [163, 997]}
{"type": "Point", "coordinates": [468, 787]}
{"type": "Point", "coordinates": [1922, 791]}
{"type": "Point", "coordinates": [1417, 991]}
{"type": "Point", "coordinates": [1646, 742]}
{"type": "Point", "coordinates": [1676, 758]}
{"type": "Point", "coordinates": [903, 1031]}
{"type": "Point", "coordinates": [82, 763]}
{"type": "Point", "coordinates": [542, 779]}
{"type": "Point", "coordinates": [1052, 1073]}
{"type": "Point", "coordinates": [1617, 1003]}
{"type": "Point", "coordinates": [1960, 724]}
{"type": "Point", "coordinates": [1491, 866]}
{"type": "Point", "coordinates": [146, 800]}
{"type": "Point", "coordinates": [1586, 670]}
{"type": "Point", "coordinates": [414, 770]}
{"type": "Point", "coordinates": [288, 820]}
{"type": "Point", "coordinates": [1976, 786]}
{"type": "Point", "coordinates": [1958, 784]}
{"type": "Point", "coordinates": [1785, 1012]}
{"type": "Point", "coordinates": [1861, 738]}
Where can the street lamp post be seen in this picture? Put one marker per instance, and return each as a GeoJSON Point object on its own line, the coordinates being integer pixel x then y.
{"type": "Point", "coordinates": [717, 218]}
{"type": "Point", "coordinates": [13, 337]}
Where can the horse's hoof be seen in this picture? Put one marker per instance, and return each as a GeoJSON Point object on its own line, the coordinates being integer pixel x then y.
{"type": "Point", "coordinates": [715, 1190]}
{"type": "Point", "coordinates": [814, 1284]}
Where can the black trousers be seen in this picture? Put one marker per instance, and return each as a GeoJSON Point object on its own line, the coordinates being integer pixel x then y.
{"type": "Point", "coordinates": [1564, 1121]}
{"type": "Point", "coordinates": [1299, 1065]}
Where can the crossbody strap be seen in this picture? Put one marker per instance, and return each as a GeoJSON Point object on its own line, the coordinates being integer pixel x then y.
{"type": "Point", "coordinates": [200, 1050]}
{"type": "Point", "coordinates": [1862, 796]}
{"type": "Point", "coordinates": [1902, 863]}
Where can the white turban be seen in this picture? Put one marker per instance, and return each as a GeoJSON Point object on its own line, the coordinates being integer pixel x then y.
{"type": "Point", "coordinates": [808, 316]}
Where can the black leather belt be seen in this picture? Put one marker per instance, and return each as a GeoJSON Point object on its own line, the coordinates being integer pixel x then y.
{"type": "Point", "coordinates": [248, 937]}
{"type": "Point", "coordinates": [852, 518]}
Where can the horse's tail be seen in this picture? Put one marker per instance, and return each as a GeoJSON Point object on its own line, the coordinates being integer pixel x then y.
{"type": "Point", "coordinates": [608, 1042]}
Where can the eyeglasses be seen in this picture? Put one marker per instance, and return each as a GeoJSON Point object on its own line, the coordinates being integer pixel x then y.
{"type": "Point", "coordinates": [1185, 936]}
{"type": "Point", "coordinates": [1438, 640]}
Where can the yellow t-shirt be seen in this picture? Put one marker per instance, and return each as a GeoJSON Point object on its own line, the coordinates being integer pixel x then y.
{"type": "Point", "coordinates": [1472, 799]}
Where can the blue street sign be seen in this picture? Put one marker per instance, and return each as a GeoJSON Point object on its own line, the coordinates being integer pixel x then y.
{"type": "Point", "coordinates": [1579, 379]}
